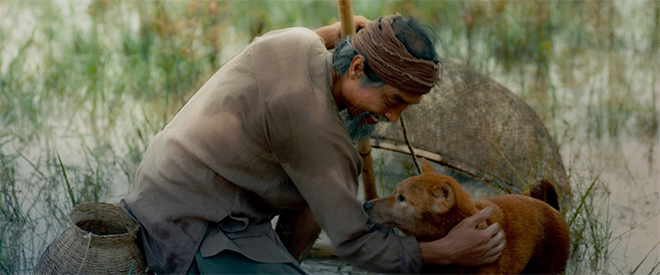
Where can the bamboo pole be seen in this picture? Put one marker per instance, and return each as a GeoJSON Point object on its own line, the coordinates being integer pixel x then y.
{"type": "Point", "coordinates": [346, 17]}
{"type": "Point", "coordinates": [364, 146]}
{"type": "Point", "coordinates": [368, 178]}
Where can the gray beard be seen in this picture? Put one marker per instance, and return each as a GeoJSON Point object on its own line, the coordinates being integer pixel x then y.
{"type": "Point", "coordinates": [356, 131]}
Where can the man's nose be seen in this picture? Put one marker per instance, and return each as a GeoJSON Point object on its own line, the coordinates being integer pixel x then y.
{"type": "Point", "coordinates": [393, 115]}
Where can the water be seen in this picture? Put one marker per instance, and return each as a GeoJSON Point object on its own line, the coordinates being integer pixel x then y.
{"type": "Point", "coordinates": [630, 174]}
{"type": "Point", "coordinates": [598, 100]}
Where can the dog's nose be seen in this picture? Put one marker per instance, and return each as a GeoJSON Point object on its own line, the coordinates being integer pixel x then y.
{"type": "Point", "coordinates": [367, 206]}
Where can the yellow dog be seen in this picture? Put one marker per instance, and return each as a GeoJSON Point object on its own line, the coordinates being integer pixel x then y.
{"type": "Point", "coordinates": [428, 206]}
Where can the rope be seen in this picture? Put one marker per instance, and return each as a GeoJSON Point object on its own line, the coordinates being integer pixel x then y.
{"type": "Point", "coordinates": [89, 242]}
{"type": "Point", "coordinates": [412, 152]}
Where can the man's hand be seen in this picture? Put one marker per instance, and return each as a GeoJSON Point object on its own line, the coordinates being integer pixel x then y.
{"type": "Point", "coordinates": [331, 34]}
{"type": "Point", "coordinates": [465, 244]}
{"type": "Point", "coordinates": [298, 230]}
{"type": "Point", "coordinates": [360, 22]}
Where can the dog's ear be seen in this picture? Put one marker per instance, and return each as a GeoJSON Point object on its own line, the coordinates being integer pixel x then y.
{"type": "Point", "coordinates": [444, 197]}
{"type": "Point", "coordinates": [426, 167]}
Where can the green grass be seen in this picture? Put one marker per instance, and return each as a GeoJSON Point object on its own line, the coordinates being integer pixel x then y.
{"type": "Point", "coordinates": [111, 75]}
{"type": "Point", "coordinates": [590, 231]}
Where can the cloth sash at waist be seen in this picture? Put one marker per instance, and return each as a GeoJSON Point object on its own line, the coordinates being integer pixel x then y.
{"type": "Point", "coordinates": [256, 240]}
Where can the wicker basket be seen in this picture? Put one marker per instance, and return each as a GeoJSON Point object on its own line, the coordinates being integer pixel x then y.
{"type": "Point", "coordinates": [99, 240]}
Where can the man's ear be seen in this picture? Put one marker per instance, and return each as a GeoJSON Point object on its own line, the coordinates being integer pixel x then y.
{"type": "Point", "coordinates": [444, 197]}
{"type": "Point", "coordinates": [426, 167]}
{"type": "Point", "coordinates": [357, 66]}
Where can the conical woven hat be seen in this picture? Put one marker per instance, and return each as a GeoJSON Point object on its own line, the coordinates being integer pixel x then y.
{"type": "Point", "coordinates": [476, 126]}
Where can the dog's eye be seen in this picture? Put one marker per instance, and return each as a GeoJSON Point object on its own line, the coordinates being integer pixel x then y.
{"type": "Point", "coordinates": [400, 198]}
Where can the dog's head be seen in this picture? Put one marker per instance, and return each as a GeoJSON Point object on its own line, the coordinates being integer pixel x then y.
{"type": "Point", "coordinates": [425, 206]}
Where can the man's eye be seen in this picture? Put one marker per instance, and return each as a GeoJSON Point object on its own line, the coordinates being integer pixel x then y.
{"type": "Point", "coordinates": [391, 103]}
{"type": "Point", "coordinates": [400, 198]}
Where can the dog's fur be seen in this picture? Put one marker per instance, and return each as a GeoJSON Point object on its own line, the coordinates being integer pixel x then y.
{"type": "Point", "coordinates": [428, 206]}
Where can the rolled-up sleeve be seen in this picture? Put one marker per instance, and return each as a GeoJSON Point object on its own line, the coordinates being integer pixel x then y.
{"type": "Point", "coordinates": [387, 259]}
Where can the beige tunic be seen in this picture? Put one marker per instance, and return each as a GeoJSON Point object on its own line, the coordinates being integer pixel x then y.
{"type": "Point", "coordinates": [263, 134]}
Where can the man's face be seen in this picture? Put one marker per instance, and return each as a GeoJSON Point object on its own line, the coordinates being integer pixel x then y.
{"type": "Point", "coordinates": [384, 101]}
{"type": "Point", "coordinates": [366, 106]}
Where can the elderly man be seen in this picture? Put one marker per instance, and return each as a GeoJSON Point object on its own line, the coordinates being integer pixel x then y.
{"type": "Point", "coordinates": [264, 137]}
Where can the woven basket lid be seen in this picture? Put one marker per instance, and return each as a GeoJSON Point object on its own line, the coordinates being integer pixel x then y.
{"type": "Point", "coordinates": [100, 239]}
{"type": "Point", "coordinates": [471, 124]}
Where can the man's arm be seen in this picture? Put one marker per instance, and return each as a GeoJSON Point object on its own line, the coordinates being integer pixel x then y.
{"type": "Point", "coordinates": [331, 34]}
{"type": "Point", "coordinates": [465, 244]}
{"type": "Point", "coordinates": [298, 230]}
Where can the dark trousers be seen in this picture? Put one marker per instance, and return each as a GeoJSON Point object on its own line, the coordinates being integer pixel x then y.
{"type": "Point", "coordinates": [230, 262]}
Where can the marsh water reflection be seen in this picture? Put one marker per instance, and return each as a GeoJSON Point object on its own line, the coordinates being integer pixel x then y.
{"type": "Point", "coordinates": [84, 85]}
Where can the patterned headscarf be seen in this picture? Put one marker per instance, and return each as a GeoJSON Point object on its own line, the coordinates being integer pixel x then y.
{"type": "Point", "coordinates": [390, 60]}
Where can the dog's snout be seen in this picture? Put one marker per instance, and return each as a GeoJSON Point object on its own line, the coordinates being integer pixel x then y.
{"type": "Point", "coordinates": [367, 206]}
